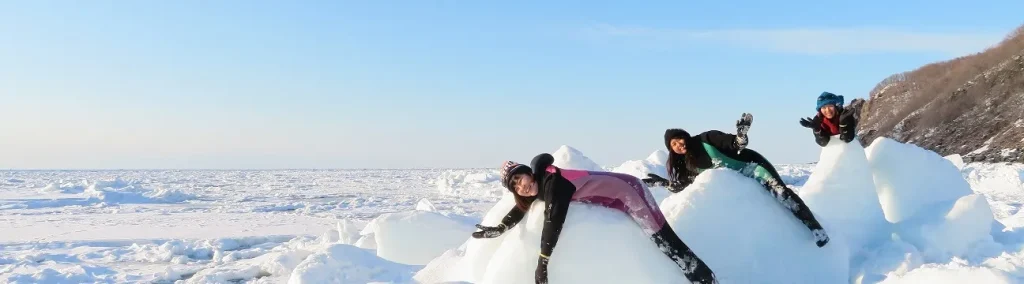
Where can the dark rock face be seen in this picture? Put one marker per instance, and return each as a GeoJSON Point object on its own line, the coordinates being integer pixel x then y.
{"type": "Point", "coordinates": [972, 105]}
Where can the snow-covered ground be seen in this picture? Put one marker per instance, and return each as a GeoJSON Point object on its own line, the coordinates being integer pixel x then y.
{"type": "Point", "coordinates": [409, 226]}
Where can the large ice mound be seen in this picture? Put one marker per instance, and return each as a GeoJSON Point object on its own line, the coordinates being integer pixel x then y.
{"type": "Point", "coordinates": [468, 262]}
{"type": "Point", "coordinates": [416, 237]}
{"type": "Point", "coordinates": [928, 199]}
{"type": "Point", "coordinates": [597, 245]}
{"type": "Point", "coordinates": [910, 179]}
{"type": "Point", "coordinates": [341, 263]}
{"type": "Point", "coordinates": [567, 157]}
{"type": "Point", "coordinates": [605, 243]}
{"type": "Point", "coordinates": [746, 236]}
{"type": "Point", "coordinates": [654, 164]}
{"type": "Point", "coordinates": [841, 193]}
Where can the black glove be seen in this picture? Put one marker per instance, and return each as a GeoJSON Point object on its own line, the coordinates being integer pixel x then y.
{"type": "Point", "coordinates": [489, 232]}
{"type": "Point", "coordinates": [851, 113]}
{"type": "Point", "coordinates": [820, 237]}
{"type": "Point", "coordinates": [541, 274]}
{"type": "Point", "coordinates": [742, 126]}
{"type": "Point", "coordinates": [807, 122]}
{"type": "Point", "coordinates": [655, 180]}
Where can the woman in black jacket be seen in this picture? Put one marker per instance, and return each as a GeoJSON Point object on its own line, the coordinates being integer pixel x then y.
{"type": "Point", "coordinates": [559, 187]}
{"type": "Point", "coordinates": [688, 156]}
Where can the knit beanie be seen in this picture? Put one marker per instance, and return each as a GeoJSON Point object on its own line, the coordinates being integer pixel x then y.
{"type": "Point", "coordinates": [509, 169]}
{"type": "Point", "coordinates": [827, 98]}
{"type": "Point", "coordinates": [674, 133]}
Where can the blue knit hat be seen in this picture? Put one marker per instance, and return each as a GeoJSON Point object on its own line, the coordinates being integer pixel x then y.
{"type": "Point", "coordinates": [827, 98]}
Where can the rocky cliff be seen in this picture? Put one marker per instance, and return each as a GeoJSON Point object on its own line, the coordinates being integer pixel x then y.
{"type": "Point", "coordinates": [972, 105]}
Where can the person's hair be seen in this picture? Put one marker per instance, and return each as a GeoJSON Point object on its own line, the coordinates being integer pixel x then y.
{"type": "Point", "coordinates": [675, 162]}
{"type": "Point", "coordinates": [523, 202]}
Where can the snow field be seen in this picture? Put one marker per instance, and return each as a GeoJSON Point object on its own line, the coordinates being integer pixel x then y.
{"type": "Point", "coordinates": [414, 226]}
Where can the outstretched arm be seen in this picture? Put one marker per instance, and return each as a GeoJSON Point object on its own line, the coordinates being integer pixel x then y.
{"type": "Point", "coordinates": [511, 219]}
{"type": "Point", "coordinates": [815, 125]}
{"type": "Point", "coordinates": [558, 191]}
{"type": "Point", "coordinates": [674, 185]}
{"type": "Point", "coordinates": [554, 217]}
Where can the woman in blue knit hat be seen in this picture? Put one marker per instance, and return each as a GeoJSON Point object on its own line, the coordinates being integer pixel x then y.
{"type": "Point", "coordinates": [832, 119]}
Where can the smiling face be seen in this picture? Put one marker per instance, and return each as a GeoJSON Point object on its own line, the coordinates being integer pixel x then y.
{"type": "Point", "coordinates": [829, 111]}
{"type": "Point", "coordinates": [524, 185]}
{"type": "Point", "coordinates": [678, 146]}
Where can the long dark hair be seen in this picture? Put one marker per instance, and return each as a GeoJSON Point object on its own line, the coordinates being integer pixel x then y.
{"type": "Point", "coordinates": [523, 202]}
{"type": "Point", "coordinates": [676, 164]}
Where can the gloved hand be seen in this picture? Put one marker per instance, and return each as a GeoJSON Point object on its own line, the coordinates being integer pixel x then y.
{"type": "Point", "coordinates": [655, 180]}
{"type": "Point", "coordinates": [807, 122]}
{"type": "Point", "coordinates": [742, 126]}
{"type": "Point", "coordinates": [541, 274]}
{"type": "Point", "coordinates": [851, 113]}
{"type": "Point", "coordinates": [489, 232]}
{"type": "Point", "coordinates": [820, 237]}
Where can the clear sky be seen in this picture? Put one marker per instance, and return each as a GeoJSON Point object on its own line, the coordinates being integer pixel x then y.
{"type": "Point", "coordinates": [415, 84]}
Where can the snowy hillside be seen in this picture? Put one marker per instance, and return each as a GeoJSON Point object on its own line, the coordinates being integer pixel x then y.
{"type": "Point", "coordinates": [920, 219]}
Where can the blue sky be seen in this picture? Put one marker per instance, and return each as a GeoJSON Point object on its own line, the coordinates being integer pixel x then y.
{"type": "Point", "coordinates": [415, 84]}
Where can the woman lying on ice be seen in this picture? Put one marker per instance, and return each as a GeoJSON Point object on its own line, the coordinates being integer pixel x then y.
{"type": "Point", "coordinates": [558, 187]}
{"type": "Point", "coordinates": [832, 119]}
{"type": "Point", "coordinates": [690, 155]}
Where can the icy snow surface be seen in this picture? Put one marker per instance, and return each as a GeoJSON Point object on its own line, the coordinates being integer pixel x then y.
{"type": "Point", "coordinates": [947, 223]}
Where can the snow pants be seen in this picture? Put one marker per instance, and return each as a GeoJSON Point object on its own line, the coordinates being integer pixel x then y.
{"type": "Point", "coordinates": [761, 170]}
{"type": "Point", "coordinates": [628, 194]}
{"type": "Point", "coordinates": [618, 191]}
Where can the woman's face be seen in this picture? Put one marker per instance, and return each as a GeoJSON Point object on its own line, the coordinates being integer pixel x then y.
{"type": "Point", "coordinates": [524, 185]}
{"type": "Point", "coordinates": [678, 146]}
{"type": "Point", "coordinates": [829, 111]}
